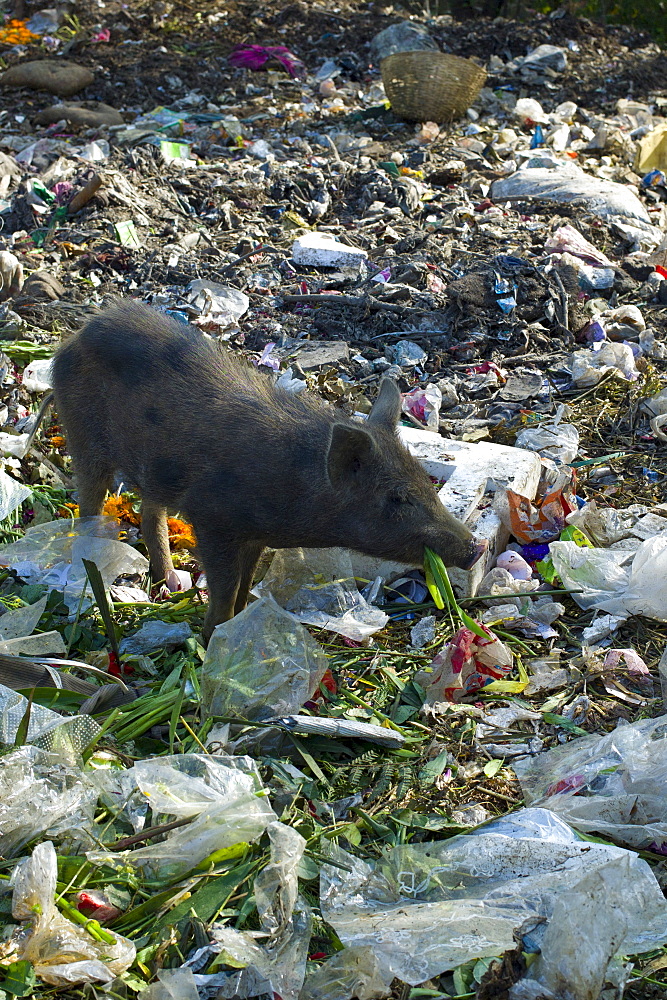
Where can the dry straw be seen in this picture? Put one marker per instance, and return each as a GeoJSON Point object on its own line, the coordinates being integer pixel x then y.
{"type": "Point", "coordinates": [428, 86]}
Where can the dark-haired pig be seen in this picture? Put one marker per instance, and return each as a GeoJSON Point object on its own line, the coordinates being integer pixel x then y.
{"type": "Point", "coordinates": [198, 430]}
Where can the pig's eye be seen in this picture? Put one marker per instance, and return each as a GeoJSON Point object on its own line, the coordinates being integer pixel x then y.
{"type": "Point", "coordinates": [400, 499]}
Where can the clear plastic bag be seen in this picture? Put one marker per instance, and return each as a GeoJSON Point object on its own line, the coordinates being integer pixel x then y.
{"type": "Point", "coordinates": [172, 984]}
{"type": "Point", "coordinates": [612, 785]}
{"type": "Point", "coordinates": [42, 794]}
{"type": "Point", "coordinates": [62, 953]}
{"type": "Point", "coordinates": [279, 951]}
{"type": "Point", "coordinates": [151, 636]}
{"type": "Point", "coordinates": [318, 587]}
{"type": "Point", "coordinates": [426, 908]}
{"type": "Point", "coordinates": [52, 554]}
{"type": "Point", "coordinates": [223, 795]}
{"type": "Point", "coordinates": [262, 664]}
{"type": "Point", "coordinates": [552, 439]}
{"type": "Point", "coordinates": [589, 367]}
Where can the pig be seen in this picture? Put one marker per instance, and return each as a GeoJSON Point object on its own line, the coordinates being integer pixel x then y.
{"type": "Point", "coordinates": [196, 429]}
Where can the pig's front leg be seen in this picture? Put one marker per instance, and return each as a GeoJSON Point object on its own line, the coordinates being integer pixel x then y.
{"type": "Point", "coordinates": [223, 564]}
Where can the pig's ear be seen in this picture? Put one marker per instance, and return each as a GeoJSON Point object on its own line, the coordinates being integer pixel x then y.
{"type": "Point", "coordinates": [350, 449]}
{"type": "Point", "coordinates": [387, 407]}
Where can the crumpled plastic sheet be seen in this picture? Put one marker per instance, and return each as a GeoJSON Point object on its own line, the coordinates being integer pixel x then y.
{"type": "Point", "coordinates": [22, 621]}
{"type": "Point", "coordinates": [52, 554]}
{"type": "Point", "coordinates": [589, 367]}
{"type": "Point", "coordinates": [567, 183]}
{"type": "Point", "coordinates": [426, 908]}
{"type": "Point", "coordinates": [590, 914]}
{"type": "Point", "coordinates": [618, 582]}
{"type": "Point", "coordinates": [352, 972]}
{"type": "Point", "coordinates": [218, 305]}
{"type": "Point", "coordinates": [223, 795]}
{"type": "Point", "coordinates": [172, 984]}
{"type": "Point", "coordinates": [151, 636]}
{"type": "Point", "coordinates": [278, 952]}
{"type": "Point", "coordinates": [262, 664]}
{"type": "Point", "coordinates": [465, 664]}
{"type": "Point", "coordinates": [43, 793]}
{"type": "Point", "coordinates": [612, 785]}
{"type": "Point", "coordinates": [606, 525]}
{"type": "Point", "coordinates": [12, 494]}
{"type": "Point", "coordinates": [552, 439]}
{"type": "Point", "coordinates": [62, 953]}
{"type": "Point", "coordinates": [318, 587]}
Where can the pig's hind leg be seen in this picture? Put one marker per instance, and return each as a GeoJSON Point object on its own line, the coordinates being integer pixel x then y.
{"type": "Point", "coordinates": [223, 564]}
{"type": "Point", "coordinates": [156, 537]}
{"type": "Point", "coordinates": [250, 554]}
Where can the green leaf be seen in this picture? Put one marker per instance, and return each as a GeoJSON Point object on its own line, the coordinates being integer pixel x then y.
{"type": "Point", "coordinates": [566, 724]}
{"type": "Point", "coordinates": [22, 732]}
{"type": "Point", "coordinates": [211, 897]}
{"type": "Point", "coordinates": [102, 601]}
{"type": "Point", "coordinates": [20, 979]}
{"type": "Point", "coordinates": [492, 767]}
{"type": "Point", "coordinates": [432, 770]}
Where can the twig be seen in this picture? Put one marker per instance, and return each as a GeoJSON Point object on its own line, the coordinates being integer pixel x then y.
{"type": "Point", "coordinates": [153, 831]}
{"type": "Point", "coordinates": [361, 301]}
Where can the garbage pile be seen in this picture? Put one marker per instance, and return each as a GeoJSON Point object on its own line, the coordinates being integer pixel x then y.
{"type": "Point", "coordinates": [379, 778]}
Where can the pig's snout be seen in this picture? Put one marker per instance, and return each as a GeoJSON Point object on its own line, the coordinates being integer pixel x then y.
{"type": "Point", "coordinates": [475, 552]}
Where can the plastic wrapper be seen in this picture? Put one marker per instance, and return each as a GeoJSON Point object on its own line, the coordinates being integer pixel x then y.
{"type": "Point", "coordinates": [42, 794]}
{"type": "Point", "coordinates": [317, 586]}
{"type": "Point", "coordinates": [500, 585]}
{"type": "Point", "coordinates": [589, 367]}
{"type": "Point", "coordinates": [62, 953]}
{"type": "Point", "coordinates": [612, 785]}
{"type": "Point", "coordinates": [151, 636]}
{"type": "Point", "coordinates": [279, 950]}
{"type": "Point", "coordinates": [426, 908]}
{"type": "Point", "coordinates": [218, 305]}
{"type": "Point", "coordinates": [464, 665]}
{"type": "Point", "coordinates": [566, 239]}
{"type": "Point", "coordinates": [12, 494]}
{"type": "Point", "coordinates": [552, 439]}
{"type": "Point", "coordinates": [352, 972]}
{"type": "Point", "coordinates": [52, 554]}
{"type": "Point", "coordinates": [539, 521]}
{"type": "Point", "coordinates": [260, 665]}
{"type": "Point", "coordinates": [424, 404]}
{"type": "Point", "coordinates": [223, 796]}
{"type": "Point", "coordinates": [620, 583]}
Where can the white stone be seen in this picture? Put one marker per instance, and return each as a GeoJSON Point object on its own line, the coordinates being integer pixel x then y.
{"type": "Point", "coordinates": [321, 250]}
{"type": "Point", "coordinates": [472, 472]}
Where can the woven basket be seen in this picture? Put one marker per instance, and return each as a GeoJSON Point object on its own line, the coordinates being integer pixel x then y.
{"type": "Point", "coordinates": [430, 86]}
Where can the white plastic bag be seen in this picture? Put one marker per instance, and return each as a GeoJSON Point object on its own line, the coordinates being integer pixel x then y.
{"type": "Point", "coordinates": [551, 439]}
{"type": "Point", "coordinates": [620, 583]}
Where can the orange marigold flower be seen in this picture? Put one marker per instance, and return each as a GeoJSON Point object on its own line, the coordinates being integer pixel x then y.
{"type": "Point", "coordinates": [121, 508]}
{"type": "Point", "coordinates": [57, 441]}
{"type": "Point", "coordinates": [69, 510]}
{"type": "Point", "coordinates": [181, 534]}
